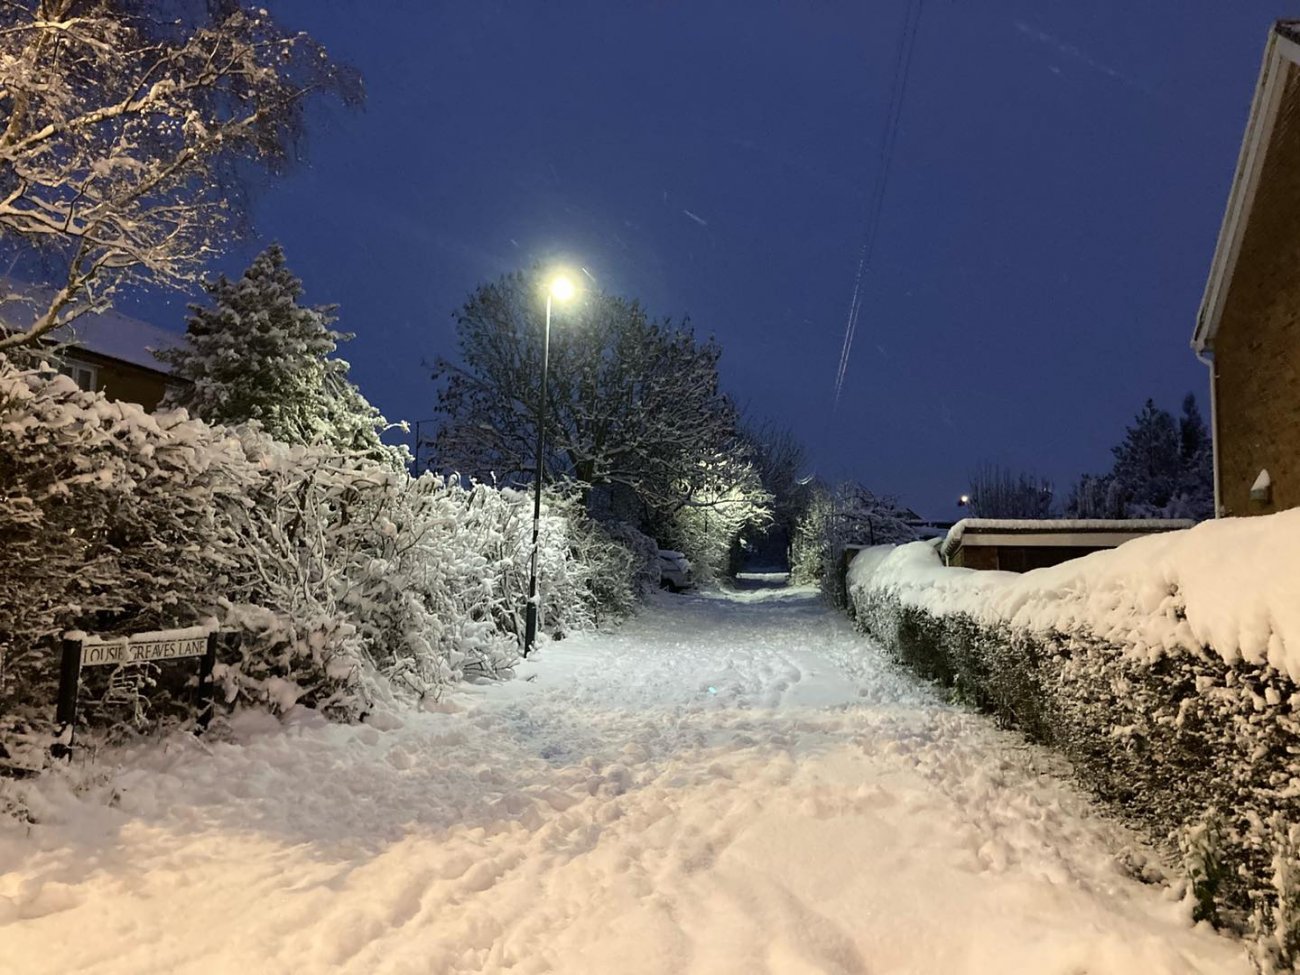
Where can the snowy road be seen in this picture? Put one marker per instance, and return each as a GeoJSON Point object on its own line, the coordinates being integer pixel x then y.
{"type": "Point", "coordinates": [728, 784]}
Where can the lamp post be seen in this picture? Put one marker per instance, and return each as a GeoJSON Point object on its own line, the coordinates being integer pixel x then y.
{"type": "Point", "coordinates": [560, 288]}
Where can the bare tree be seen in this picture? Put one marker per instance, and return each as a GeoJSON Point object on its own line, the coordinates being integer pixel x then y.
{"type": "Point", "coordinates": [998, 492]}
{"type": "Point", "coordinates": [630, 401]}
{"type": "Point", "coordinates": [124, 123]}
{"type": "Point", "coordinates": [780, 459]}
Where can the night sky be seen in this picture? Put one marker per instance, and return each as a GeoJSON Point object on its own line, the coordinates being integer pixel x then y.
{"type": "Point", "coordinates": [1057, 184]}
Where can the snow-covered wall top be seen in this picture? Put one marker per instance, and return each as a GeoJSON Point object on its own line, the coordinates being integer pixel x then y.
{"type": "Point", "coordinates": [1232, 585]}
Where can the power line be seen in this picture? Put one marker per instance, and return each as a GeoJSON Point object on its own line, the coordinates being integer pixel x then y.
{"type": "Point", "coordinates": [889, 138]}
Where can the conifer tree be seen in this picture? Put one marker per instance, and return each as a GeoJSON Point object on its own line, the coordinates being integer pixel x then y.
{"type": "Point", "coordinates": [1163, 468]}
{"type": "Point", "coordinates": [1196, 476]}
{"type": "Point", "coordinates": [1148, 462]}
{"type": "Point", "coordinates": [258, 354]}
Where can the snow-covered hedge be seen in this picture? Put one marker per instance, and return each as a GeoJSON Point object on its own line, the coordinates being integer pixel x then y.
{"type": "Point", "coordinates": [1165, 670]}
{"type": "Point", "coordinates": [346, 579]}
{"type": "Point", "coordinates": [834, 520]}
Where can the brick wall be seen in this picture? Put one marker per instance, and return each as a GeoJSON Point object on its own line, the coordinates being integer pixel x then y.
{"type": "Point", "coordinates": [1257, 347]}
{"type": "Point", "coordinates": [120, 380]}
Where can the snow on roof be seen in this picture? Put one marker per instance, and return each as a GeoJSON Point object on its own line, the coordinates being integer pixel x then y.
{"type": "Point", "coordinates": [119, 336]}
{"type": "Point", "coordinates": [1036, 526]}
{"type": "Point", "coordinates": [1228, 585]}
{"type": "Point", "coordinates": [108, 333]}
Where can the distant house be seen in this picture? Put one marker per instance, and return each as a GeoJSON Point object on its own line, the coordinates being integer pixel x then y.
{"type": "Point", "coordinates": [103, 351]}
{"type": "Point", "coordinates": [1021, 544]}
{"type": "Point", "coordinates": [1248, 331]}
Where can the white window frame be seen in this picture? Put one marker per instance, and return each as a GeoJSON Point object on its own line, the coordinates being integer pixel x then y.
{"type": "Point", "coordinates": [85, 375]}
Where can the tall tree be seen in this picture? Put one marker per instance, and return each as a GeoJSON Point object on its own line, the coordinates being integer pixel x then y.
{"type": "Point", "coordinates": [1195, 490]}
{"type": "Point", "coordinates": [1148, 462]}
{"type": "Point", "coordinates": [1163, 468]}
{"type": "Point", "coordinates": [125, 123]}
{"type": "Point", "coordinates": [257, 353]}
{"type": "Point", "coordinates": [780, 459]}
{"type": "Point", "coordinates": [630, 400]}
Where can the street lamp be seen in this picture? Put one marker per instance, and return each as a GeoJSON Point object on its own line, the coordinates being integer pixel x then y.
{"type": "Point", "coordinates": [559, 287]}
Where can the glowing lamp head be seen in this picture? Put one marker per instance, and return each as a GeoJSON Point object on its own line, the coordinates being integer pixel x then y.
{"type": "Point", "coordinates": [964, 500]}
{"type": "Point", "coordinates": [562, 287]}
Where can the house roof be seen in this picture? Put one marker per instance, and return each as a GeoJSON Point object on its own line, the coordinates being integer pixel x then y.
{"type": "Point", "coordinates": [1280, 55]}
{"type": "Point", "coordinates": [1080, 532]}
{"type": "Point", "coordinates": [108, 333]}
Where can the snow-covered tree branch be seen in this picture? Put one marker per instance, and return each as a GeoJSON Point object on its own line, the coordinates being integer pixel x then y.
{"type": "Point", "coordinates": [122, 127]}
{"type": "Point", "coordinates": [258, 354]}
{"type": "Point", "coordinates": [631, 401]}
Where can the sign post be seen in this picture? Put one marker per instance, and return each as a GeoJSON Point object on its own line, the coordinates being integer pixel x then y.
{"type": "Point", "coordinates": [69, 675]}
{"type": "Point", "coordinates": [206, 686]}
{"type": "Point", "coordinates": [119, 651]}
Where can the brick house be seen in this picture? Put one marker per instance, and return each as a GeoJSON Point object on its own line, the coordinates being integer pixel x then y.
{"type": "Point", "coordinates": [104, 351]}
{"type": "Point", "coordinates": [1248, 331]}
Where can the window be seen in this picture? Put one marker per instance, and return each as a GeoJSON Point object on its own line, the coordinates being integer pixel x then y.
{"type": "Point", "coordinates": [85, 376]}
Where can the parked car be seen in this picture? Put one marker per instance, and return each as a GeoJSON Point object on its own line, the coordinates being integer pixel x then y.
{"type": "Point", "coordinates": [675, 572]}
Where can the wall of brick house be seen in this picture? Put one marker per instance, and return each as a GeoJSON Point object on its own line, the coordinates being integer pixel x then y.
{"type": "Point", "coordinates": [122, 381]}
{"type": "Point", "coordinates": [1257, 347]}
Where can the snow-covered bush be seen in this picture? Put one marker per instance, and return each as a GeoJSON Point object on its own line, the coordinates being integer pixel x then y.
{"type": "Point", "coordinates": [258, 353]}
{"type": "Point", "coordinates": [710, 527]}
{"type": "Point", "coordinates": [344, 578]}
{"type": "Point", "coordinates": [835, 519]}
{"type": "Point", "coordinates": [1165, 670]}
{"type": "Point", "coordinates": [646, 574]}
{"type": "Point", "coordinates": [109, 518]}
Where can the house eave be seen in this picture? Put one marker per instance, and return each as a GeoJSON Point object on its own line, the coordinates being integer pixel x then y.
{"type": "Point", "coordinates": [1281, 52]}
{"type": "Point", "coordinates": [91, 357]}
{"type": "Point", "coordinates": [1054, 532]}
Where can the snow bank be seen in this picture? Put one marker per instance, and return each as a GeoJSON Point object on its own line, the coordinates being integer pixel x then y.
{"type": "Point", "coordinates": [1227, 585]}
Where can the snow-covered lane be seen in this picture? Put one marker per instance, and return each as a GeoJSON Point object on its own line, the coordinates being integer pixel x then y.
{"type": "Point", "coordinates": [728, 784]}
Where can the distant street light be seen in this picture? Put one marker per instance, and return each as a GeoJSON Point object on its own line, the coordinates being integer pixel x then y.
{"type": "Point", "coordinates": [963, 501]}
{"type": "Point", "coordinates": [561, 288]}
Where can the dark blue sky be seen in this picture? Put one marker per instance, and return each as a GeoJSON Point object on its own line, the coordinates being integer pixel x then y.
{"type": "Point", "coordinates": [1059, 177]}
